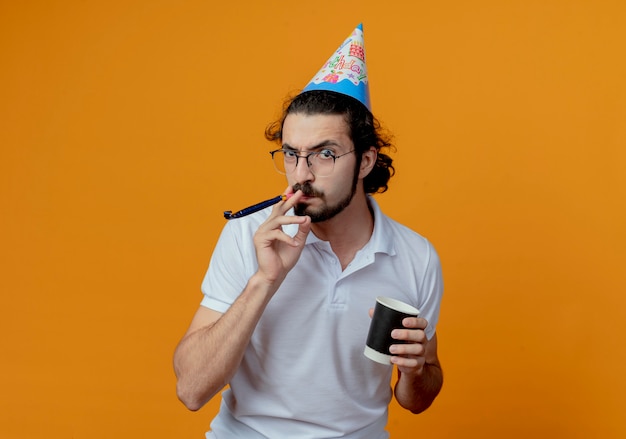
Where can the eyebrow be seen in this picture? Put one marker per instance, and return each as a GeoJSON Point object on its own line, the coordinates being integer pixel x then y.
{"type": "Point", "coordinates": [320, 145]}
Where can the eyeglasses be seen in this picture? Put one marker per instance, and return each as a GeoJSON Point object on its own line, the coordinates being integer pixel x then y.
{"type": "Point", "coordinates": [321, 163]}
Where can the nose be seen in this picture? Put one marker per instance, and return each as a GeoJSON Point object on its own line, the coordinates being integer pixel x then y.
{"type": "Point", "coordinates": [303, 172]}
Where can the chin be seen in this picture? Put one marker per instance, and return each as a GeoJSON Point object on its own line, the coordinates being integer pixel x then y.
{"type": "Point", "coordinates": [317, 215]}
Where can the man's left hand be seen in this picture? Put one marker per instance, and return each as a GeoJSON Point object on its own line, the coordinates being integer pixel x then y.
{"type": "Point", "coordinates": [410, 357]}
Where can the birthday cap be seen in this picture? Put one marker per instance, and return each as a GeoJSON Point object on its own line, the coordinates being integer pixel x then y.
{"type": "Point", "coordinates": [345, 71]}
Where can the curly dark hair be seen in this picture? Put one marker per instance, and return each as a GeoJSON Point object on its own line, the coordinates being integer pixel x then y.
{"type": "Point", "coordinates": [365, 130]}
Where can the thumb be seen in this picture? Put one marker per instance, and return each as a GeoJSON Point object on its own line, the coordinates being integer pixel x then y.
{"type": "Point", "coordinates": [303, 232]}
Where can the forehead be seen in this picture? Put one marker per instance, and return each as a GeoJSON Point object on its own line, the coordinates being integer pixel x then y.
{"type": "Point", "coordinates": [302, 131]}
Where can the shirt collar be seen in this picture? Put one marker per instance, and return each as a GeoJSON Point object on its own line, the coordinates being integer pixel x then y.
{"type": "Point", "coordinates": [381, 240]}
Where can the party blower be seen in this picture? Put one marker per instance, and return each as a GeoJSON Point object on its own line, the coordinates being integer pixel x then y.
{"type": "Point", "coordinates": [255, 207]}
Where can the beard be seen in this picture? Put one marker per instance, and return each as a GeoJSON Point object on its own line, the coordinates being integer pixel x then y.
{"type": "Point", "coordinates": [327, 211]}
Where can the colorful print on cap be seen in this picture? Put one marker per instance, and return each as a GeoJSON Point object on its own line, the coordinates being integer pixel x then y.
{"type": "Point", "coordinates": [345, 71]}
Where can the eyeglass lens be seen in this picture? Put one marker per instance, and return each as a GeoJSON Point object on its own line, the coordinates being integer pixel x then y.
{"type": "Point", "coordinates": [320, 163]}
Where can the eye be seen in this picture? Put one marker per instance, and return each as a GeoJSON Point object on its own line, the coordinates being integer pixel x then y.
{"type": "Point", "coordinates": [290, 154]}
{"type": "Point", "coordinates": [326, 154]}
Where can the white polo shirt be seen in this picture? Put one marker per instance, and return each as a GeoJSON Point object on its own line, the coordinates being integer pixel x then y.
{"type": "Point", "coordinates": [304, 374]}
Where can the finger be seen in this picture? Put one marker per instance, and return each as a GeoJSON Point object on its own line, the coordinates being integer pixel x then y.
{"type": "Point", "coordinates": [282, 207]}
{"type": "Point", "coordinates": [292, 198]}
{"type": "Point", "coordinates": [415, 322]}
{"type": "Point", "coordinates": [277, 235]}
{"type": "Point", "coordinates": [289, 191]}
{"type": "Point", "coordinates": [303, 231]}
{"type": "Point", "coordinates": [412, 335]}
{"type": "Point", "coordinates": [410, 349]}
{"type": "Point", "coordinates": [276, 220]}
{"type": "Point", "coordinates": [409, 363]}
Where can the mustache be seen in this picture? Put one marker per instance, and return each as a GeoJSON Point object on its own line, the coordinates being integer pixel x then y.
{"type": "Point", "coordinates": [307, 190]}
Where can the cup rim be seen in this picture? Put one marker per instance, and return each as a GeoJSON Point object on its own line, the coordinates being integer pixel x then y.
{"type": "Point", "coordinates": [397, 305]}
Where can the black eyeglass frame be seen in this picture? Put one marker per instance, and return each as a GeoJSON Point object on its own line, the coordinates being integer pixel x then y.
{"type": "Point", "coordinates": [308, 162]}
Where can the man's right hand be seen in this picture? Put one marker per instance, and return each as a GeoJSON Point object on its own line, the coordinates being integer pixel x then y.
{"type": "Point", "coordinates": [276, 251]}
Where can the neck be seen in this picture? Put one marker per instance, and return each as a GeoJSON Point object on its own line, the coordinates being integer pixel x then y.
{"type": "Point", "coordinates": [348, 231]}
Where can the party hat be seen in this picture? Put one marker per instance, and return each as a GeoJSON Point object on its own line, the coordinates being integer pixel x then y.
{"type": "Point", "coordinates": [345, 71]}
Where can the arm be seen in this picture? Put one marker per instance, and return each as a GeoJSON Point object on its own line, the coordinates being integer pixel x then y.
{"type": "Point", "coordinates": [212, 349]}
{"type": "Point", "coordinates": [420, 377]}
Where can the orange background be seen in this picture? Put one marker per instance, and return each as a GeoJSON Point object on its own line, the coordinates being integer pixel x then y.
{"type": "Point", "coordinates": [127, 127]}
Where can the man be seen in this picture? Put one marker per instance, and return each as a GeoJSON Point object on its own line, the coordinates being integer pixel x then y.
{"type": "Point", "coordinates": [287, 294]}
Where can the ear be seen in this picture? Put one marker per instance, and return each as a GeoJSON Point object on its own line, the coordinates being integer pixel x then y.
{"type": "Point", "coordinates": [368, 160]}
